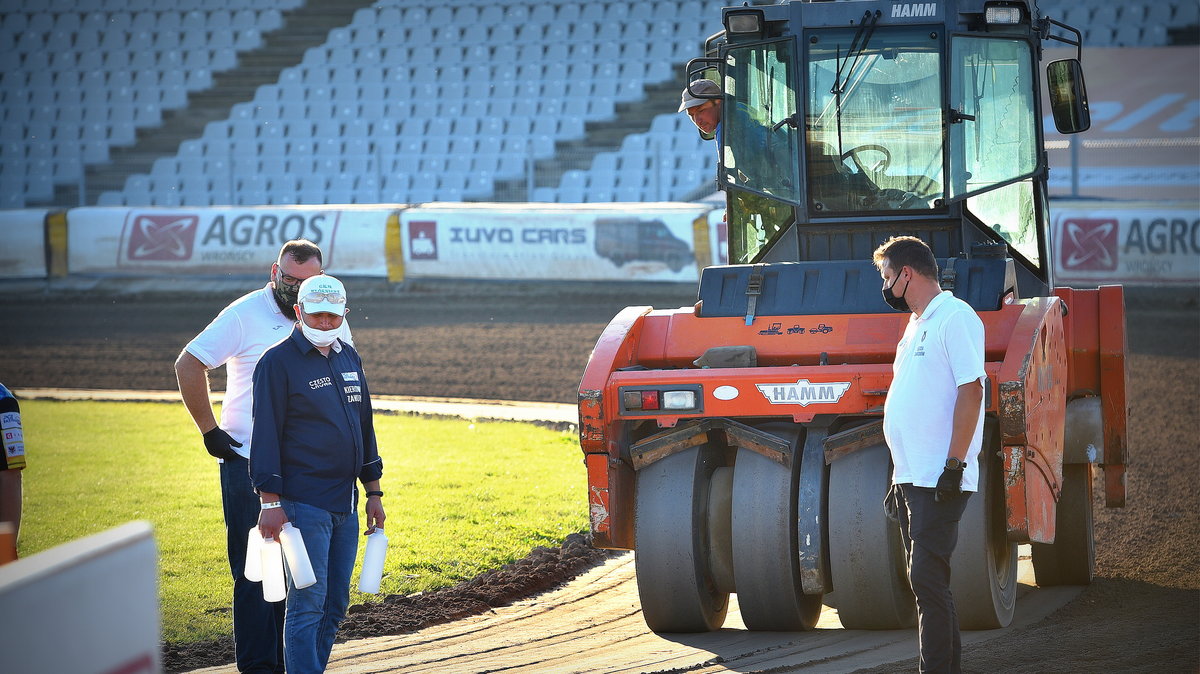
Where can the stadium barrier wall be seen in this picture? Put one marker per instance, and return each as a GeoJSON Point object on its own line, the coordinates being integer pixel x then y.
{"type": "Point", "coordinates": [24, 253]}
{"type": "Point", "coordinates": [718, 234]}
{"type": "Point", "coordinates": [1132, 243]}
{"type": "Point", "coordinates": [87, 607]}
{"type": "Point", "coordinates": [583, 242]}
{"type": "Point", "coordinates": [1093, 242]}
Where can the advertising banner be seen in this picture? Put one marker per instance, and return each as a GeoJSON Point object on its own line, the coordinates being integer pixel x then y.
{"type": "Point", "coordinates": [642, 242]}
{"type": "Point", "coordinates": [222, 240]}
{"type": "Point", "coordinates": [23, 243]}
{"type": "Point", "coordinates": [718, 233]}
{"type": "Point", "coordinates": [1132, 244]}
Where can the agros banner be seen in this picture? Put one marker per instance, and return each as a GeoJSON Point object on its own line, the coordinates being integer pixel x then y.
{"type": "Point", "coordinates": [1128, 244]}
{"type": "Point", "coordinates": [217, 240]}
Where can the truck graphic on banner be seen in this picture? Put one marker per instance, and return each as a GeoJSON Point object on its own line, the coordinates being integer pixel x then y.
{"type": "Point", "coordinates": [627, 239]}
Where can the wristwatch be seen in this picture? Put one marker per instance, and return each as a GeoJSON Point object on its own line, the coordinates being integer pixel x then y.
{"type": "Point", "coordinates": [955, 464]}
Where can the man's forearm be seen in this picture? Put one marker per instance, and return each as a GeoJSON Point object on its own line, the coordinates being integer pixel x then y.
{"type": "Point", "coordinates": [966, 418]}
{"type": "Point", "coordinates": [192, 376]}
{"type": "Point", "coordinates": [10, 497]}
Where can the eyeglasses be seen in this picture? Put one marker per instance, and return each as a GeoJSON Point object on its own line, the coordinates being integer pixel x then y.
{"type": "Point", "coordinates": [288, 279]}
{"type": "Point", "coordinates": [318, 297]}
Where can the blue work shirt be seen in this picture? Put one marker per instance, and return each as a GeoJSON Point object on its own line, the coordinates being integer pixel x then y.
{"type": "Point", "coordinates": [313, 434]}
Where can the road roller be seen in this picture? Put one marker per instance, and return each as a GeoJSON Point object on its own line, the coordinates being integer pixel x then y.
{"type": "Point", "coordinates": [736, 445]}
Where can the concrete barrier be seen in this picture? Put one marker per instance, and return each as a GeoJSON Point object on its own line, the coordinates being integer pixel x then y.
{"type": "Point", "coordinates": [86, 607]}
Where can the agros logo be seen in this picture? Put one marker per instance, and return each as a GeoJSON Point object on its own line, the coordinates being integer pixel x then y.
{"type": "Point", "coordinates": [1090, 243]}
{"type": "Point", "coordinates": [804, 392]}
{"type": "Point", "coordinates": [163, 237]}
{"type": "Point", "coordinates": [226, 238]}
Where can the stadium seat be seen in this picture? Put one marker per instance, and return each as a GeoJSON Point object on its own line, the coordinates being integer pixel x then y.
{"type": "Point", "coordinates": [379, 93]}
{"type": "Point", "coordinates": [1187, 13]}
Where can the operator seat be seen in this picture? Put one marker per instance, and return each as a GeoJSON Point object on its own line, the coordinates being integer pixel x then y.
{"type": "Point", "coordinates": [826, 180]}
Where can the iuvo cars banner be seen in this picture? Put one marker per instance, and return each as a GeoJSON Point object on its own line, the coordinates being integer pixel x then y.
{"type": "Point", "coordinates": [1129, 243]}
{"type": "Point", "coordinates": [655, 242]}
{"type": "Point", "coordinates": [222, 240]}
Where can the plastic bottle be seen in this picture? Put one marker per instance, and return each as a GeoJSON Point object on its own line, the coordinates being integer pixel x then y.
{"type": "Point", "coordinates": [253, 570]}
{"type": "Point", "coordinates": [372, 566]}
{"type": "Point", "coordinates": [274, 586]}
{"type": "Point", "coordinates": [297, 556]}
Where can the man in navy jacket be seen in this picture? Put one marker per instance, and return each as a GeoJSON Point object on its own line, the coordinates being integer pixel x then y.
{"type": "Point", "coordinates": [313, 437]}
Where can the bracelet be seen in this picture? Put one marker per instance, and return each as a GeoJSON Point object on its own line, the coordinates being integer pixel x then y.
{"type": "Point", "coordinates": [270, 506]}
{"type": "Point", "coordinates": [374, 493]}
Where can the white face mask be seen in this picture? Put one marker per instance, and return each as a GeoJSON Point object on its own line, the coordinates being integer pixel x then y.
{"type": "Point", "coordinates": [321, 338]}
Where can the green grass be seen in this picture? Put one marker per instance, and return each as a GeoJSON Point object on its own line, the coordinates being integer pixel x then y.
{"type": "Point", "coordinates": [461, 499]}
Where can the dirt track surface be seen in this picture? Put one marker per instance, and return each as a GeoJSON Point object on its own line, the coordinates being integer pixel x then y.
{"type": "Point", "coordinates": [531, 341]}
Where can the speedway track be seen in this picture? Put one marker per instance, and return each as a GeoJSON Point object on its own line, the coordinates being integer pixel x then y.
{"type": "Point", "coordinates": [525, 342]}
{"type": "Point", "coordinates": [594, 624]}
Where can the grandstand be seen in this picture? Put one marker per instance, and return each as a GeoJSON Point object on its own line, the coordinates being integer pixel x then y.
{"type": "Point", "coordinates": [243, 102]}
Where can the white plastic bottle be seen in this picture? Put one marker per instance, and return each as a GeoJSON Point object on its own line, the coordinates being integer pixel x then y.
{"type": "Point", "coordinates": [372, 566]}
{"type": "Point", "coordinates": [297, 556]}
{"type": "Point", "coordinates": [274, 585]}
{"type": "Point", "coordinates": [253, 570]}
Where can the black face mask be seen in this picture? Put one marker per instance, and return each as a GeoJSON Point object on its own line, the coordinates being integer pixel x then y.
{"type": "Point", "coordinates": [286, 296]}
{"type": "Point", "coordinates": [897, 303]}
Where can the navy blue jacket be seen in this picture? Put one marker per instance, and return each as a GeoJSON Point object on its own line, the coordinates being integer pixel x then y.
{"type": "Point", "coordinates": [313, 434]}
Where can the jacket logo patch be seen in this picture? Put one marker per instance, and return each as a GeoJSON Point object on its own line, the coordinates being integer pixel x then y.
{"type": "Point", "coordinates": [349, 376]}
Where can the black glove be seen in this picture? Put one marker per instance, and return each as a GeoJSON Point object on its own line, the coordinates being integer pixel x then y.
{"type": "Point", "coordinates": [219, 444]}
{"type": "Point", "coordinates": [949, 484]}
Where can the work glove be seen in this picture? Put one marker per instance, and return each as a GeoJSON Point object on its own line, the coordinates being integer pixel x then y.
{"type": "Point", "coordinates": [949, 485]}
{"type": "Point", "coordinates": [891, 504]}
{"type": "Point", "coordinates": [220, 444]}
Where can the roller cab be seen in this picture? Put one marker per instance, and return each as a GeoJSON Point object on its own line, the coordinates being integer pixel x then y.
{"type": "Point", "coordinates": [736, 445]}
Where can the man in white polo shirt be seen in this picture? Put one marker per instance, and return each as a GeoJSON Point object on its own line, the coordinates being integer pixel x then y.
{"type": "Point", "coordinates": [933, 424]}
{"type": "Point", "coordinates": [237, 338]}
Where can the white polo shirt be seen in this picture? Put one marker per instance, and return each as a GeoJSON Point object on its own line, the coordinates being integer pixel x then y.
{"type": "Point", "coordinates": [940, 351]}
{"type": "Point", "coordinates": [237, 338]}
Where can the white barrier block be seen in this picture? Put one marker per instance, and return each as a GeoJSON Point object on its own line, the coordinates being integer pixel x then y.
{"type": "Point", "coordinates": [23, 243]}
{"type": "Point", "coordinates": [88, 606]}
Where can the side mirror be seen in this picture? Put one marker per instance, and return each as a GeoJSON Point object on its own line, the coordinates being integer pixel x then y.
{"type": "Point", "coordinates": [1068, 96]}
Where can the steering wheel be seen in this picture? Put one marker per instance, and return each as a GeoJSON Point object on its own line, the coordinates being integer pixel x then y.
{"type": "Point", "coordinates": [880, 167]}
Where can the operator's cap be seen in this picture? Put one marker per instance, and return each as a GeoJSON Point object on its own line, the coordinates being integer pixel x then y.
{"type": "Point", "coordinates": [700, 87]}
{"type": "Point", "coordinates": [322, 294]}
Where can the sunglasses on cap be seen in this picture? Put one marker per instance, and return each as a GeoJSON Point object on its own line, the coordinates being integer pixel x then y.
{"type": "Point", "coordinates": [319, 297]}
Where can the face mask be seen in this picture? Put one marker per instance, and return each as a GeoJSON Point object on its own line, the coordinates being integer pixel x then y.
{"type": "Point", "coordinates": [285, 295]}
{"type": "Point", "coordinates": [897, 303]}
{"type": "Point", "coordinates": [321, 338]}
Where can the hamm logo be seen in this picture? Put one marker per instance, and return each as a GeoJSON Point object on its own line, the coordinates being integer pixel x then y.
{"type": "Point", "coordinates": [162, 237]}
{"type": "Point", "coordinates": [804, 393]}
{"type": "Point", "coordinates": [907, 9]}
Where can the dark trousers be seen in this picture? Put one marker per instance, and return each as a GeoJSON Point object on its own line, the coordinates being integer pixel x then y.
{"type": "Point", "coordinates": [930, 532]}
{"type": "Point", "coordinates": [257, 624]}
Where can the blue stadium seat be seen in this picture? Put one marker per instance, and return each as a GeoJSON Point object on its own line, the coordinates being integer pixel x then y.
{"type": "Point", "coordinates": [1187, 13]}
{"type": "Point", "coordinates": [381, 91]}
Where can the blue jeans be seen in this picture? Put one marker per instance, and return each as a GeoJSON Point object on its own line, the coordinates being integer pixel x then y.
{"type": "Point", "coordinates": [314, 613]}
{"type": "Point", "coordinates": [257, 624]}
{"type": "Point", "coordinates": [929, 530]}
